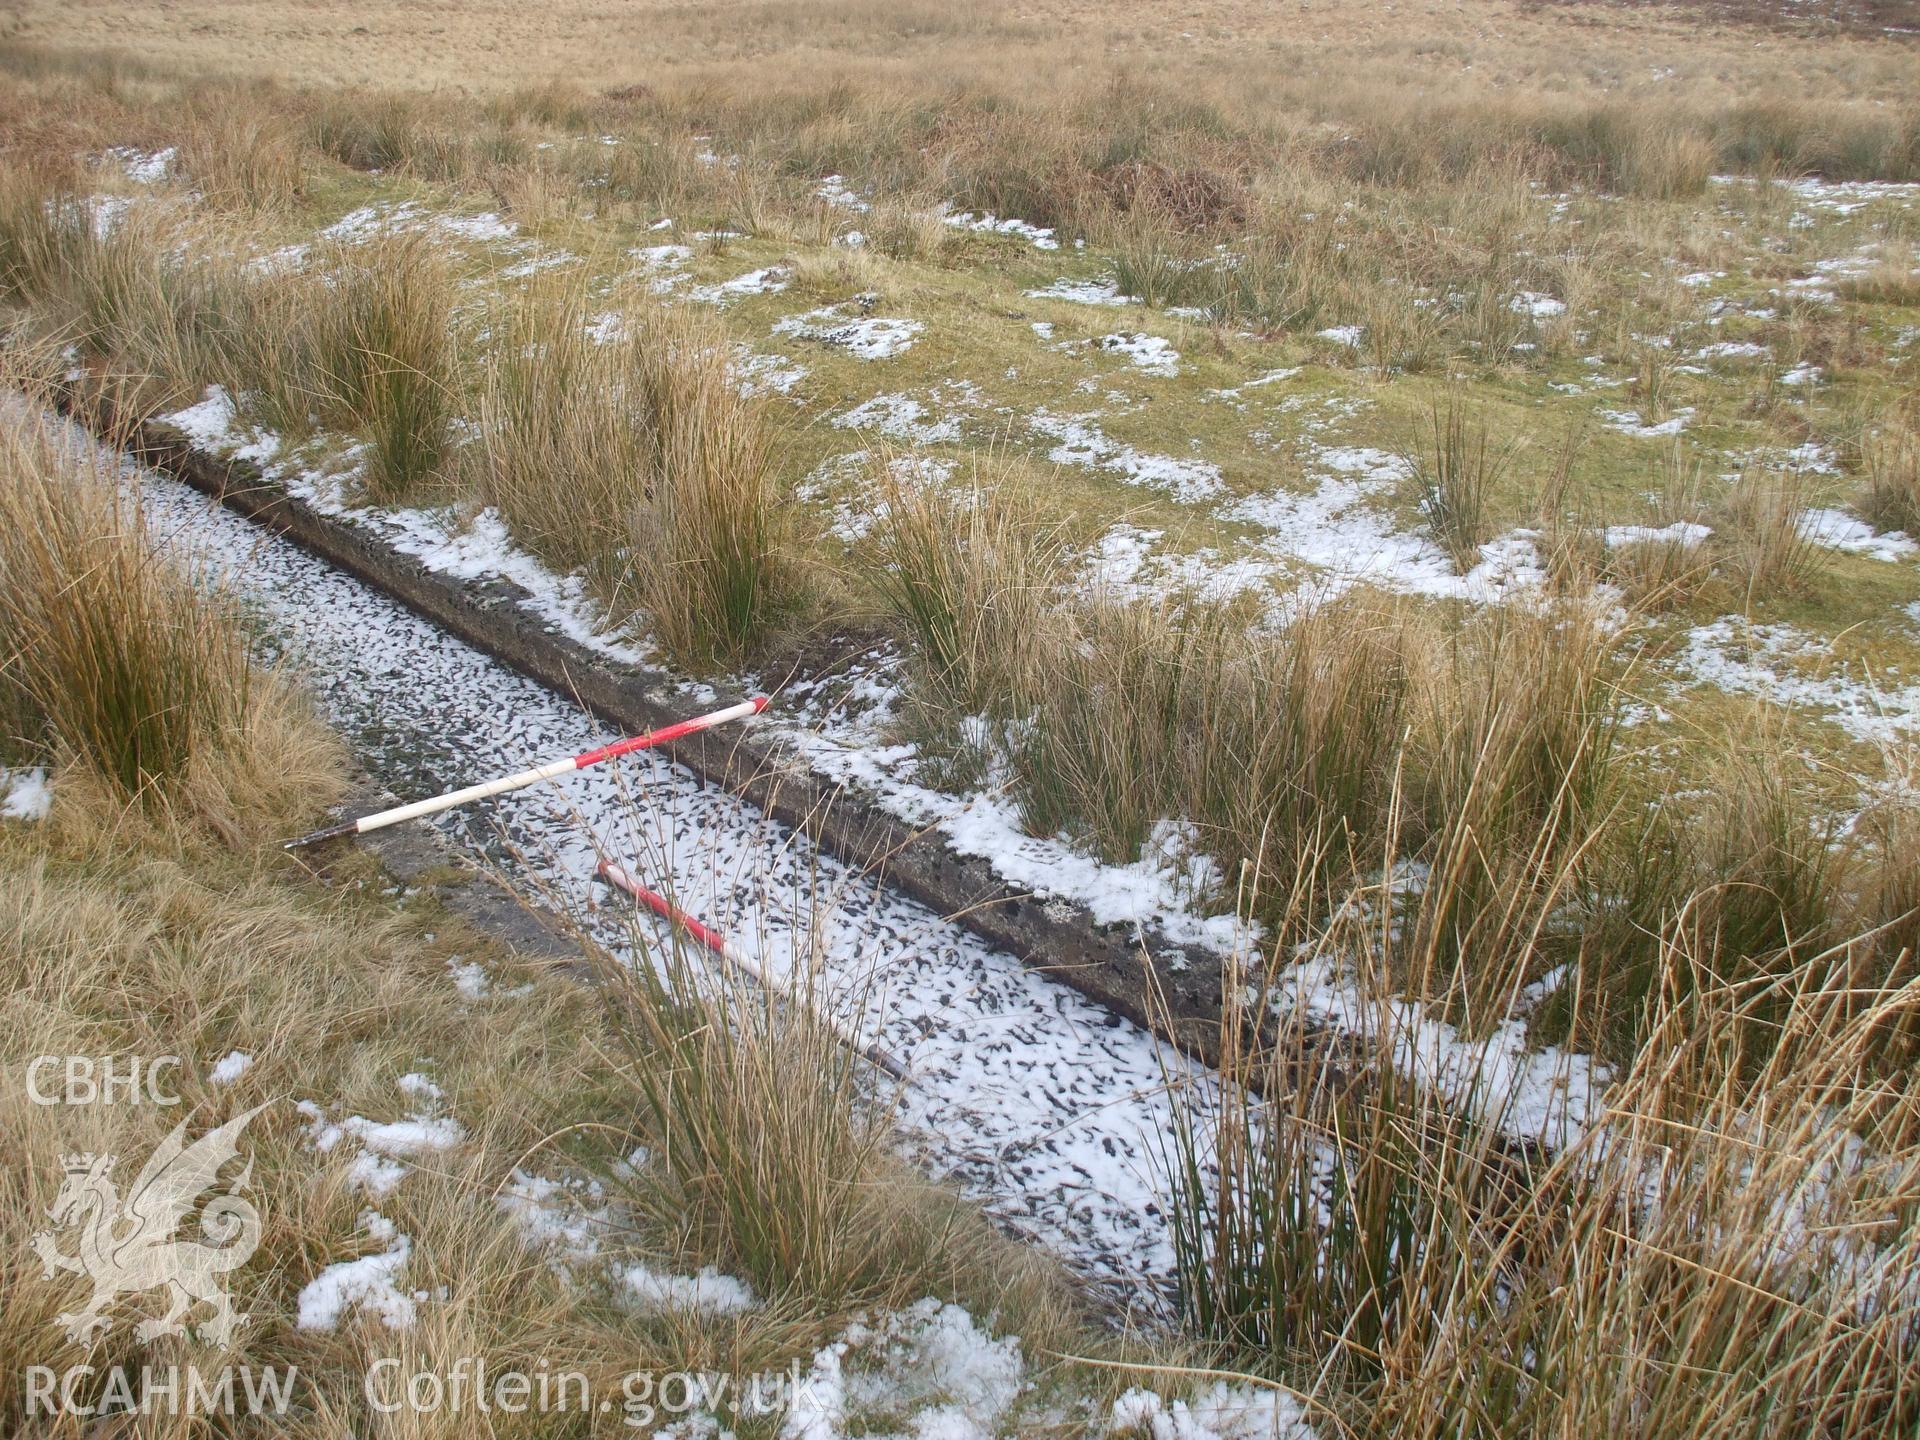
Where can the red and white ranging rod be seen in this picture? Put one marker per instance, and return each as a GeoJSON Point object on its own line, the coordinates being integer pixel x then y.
{"type": "Point", "coordinates": [617, 877]}
{"type": "Point", "coordinates": [552, 770]}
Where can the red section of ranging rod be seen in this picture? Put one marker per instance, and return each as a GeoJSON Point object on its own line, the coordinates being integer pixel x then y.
{"type": "Point", "coordinates": [552, 770]}
{"type": "Point", "coordinates": [668, 733]}
{"type": "Point", "coordinates": [617, 877]}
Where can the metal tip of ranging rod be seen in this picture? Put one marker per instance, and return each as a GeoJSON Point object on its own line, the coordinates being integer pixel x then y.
{"type": "Point", "coordinates": [314, 837]}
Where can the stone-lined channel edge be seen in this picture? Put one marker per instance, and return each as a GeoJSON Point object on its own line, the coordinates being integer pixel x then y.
{"type": "Point", "coordinates": [1171, 989]}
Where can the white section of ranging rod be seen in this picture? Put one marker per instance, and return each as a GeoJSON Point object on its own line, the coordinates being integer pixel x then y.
{"type": "Point", "coordinates": [552, 770]}
{"type": "Point", "coordinates": [719, 944]}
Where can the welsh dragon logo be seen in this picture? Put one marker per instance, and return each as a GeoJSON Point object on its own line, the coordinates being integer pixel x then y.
{"type": "Point", "coordinates": [128, 1246]}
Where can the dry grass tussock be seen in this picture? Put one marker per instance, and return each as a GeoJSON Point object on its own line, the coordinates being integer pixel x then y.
{"type": "Point", "coordinates": [1484, 752]}
{"type": "Point", "coordinates": [117, 662]}
{"type": "Point", "coordinates": [619, 445]}
{"type": "Point", "coordinates": [1448, 815]}
{"type": "Point", "coordinates": [1890, 498]}
{"type": "Point", "coordinates": [775, 1149]}
{"type": "Point", "coordinates": [1723, 1253]}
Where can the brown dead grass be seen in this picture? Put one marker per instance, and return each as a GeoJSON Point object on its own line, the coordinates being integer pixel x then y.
{"type": "Point", "coordinates": [1427, 45]}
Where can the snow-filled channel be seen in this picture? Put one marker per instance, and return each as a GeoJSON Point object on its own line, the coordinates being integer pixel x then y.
{"type": "Point", "coordinates": [1047, 1107]}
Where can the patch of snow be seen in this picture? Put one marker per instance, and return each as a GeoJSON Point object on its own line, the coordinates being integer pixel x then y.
{"type": "Point", "coordinates": [281, 260]}
{"type": "Point", "coordinates": [364, 1285]}
{"type": "Point", "coordinates": [1272, 377]}
{"type": "Point", "coordinates": [1223, 1411]}
{"type": "Point", "coordinates": [1732, 350]}
{"type": "Point", "coordinates": [863, 337]}
{"type": "Point", "coordinates": [143, 167]}
{"type": "Point", "coordinates": [367, 222]}
{"type": "Point", "coordinates": [1810, 455]}
{"type": "Point", "coordinates": [1628, 422]}
{"type": "Point", "coordinates": [1790, 667]}
{"type": "Point", "coordinates": [1148, 352]}
{"type": "Point", "coordinates": [105, 212]}
{"type": "Point", "coordinates": [1853, 535]}
{"type": "Point", "coordinates": [1805, 373]}
{"type": "Point", "coordinates": [818, 1410]}
{"type": "Point", "coordinates": [1082, 442]}
{"type": "Point", "coordinates": [469, 977]}
{"type": "Point", "coordinates": [935, 1363]}
{"type": "Point", "coordinates": [609, 327]}
{"type": "Point", "coordinates": [1338, 529]}
{"type": "Point", "coordinates": [1158, 888]}
{"type": "Point", "coordinates": [662, 257]}
{"type": "Point", "coordinates": [534, 264]}
{"type": "Point", "coordinates": [483, 549]}
{"type": "Point", "coordinates": [29, 794]}
{"type": "Point", "coordinates": [1343, 334]}
{"type": "Point", "coordinates": [206, 422]}
{"type": "Point", "coordinates": [485, 226]}
{"type": "Point", "coordinates": [1084, 292]}
{"type": "Point", "coordinates": [707, 1293]}
{"type": "Point", "coordinates": [1548, 1095]}
{"type": "Point", "coordinates": [769, 280]}
{"type": "Point", "coordinates": [1680, 532]}
{"type": "Point", "coordinates": [1040, 237]}
{"type": "Point", "coordinates": [757, 374]}
{"type": "Point", "coordinates": [1843, 197]}
{"type": "Point", "coordinates": [833, 189]}
{"type": "Point", "coordinates": [230, 1067]}
{"type": "Point", "coordinates": [899, 417]}
{"type": "Point", "coordinates": [363, 224]}
{"type": "Point", "coordinates": [551, 1217]}
{"type": "Point", "coordinates": [377, 1175]}
{"type": "Point", "coordinates": [1540, 307]}
{"type": "Point", "coordinates": [854, 518]}
{"type": "Point", "coordinates": [420, 1135]}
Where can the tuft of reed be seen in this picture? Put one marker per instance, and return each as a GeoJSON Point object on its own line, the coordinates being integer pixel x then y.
{"type": "Point", "coordinates": [708, 550]}
{"type": "Point", "coordinates": [1371, 1222]}
{"type": "Point", "coordinates": [1652, 384]}
{"type": "Point", "coordinates": [374, 355]}
{"type": "Point", "coordinates": [775, 1155]}
{"type": "Point", "coordinates": [1763, 546]}
{"type": "Point", "coordinates": [242, 151]}
{"type": "Point", "coordinates": [45, 229]}
{"type": "Point", "coordinates": [1666, 564]}
{"type": "Point", "coordinates": [1453, 473]}
{"type": "Point", "coordinates": [620, 445]}
{"type": "Point", "coordinates": [911, 227]}
{"type": "Point", "coordinates": [1890, 495]}
{"type": "Point", "coordinates": [563, 452]}
{"type": "Point", "coordinates": [760, 1116]}
{"type": "Point", "coordinates": [368, 130]}
{"type": "Point", "coordinates": [126, 667]}
{"type": "Point", "coordinates": [968, 573]}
